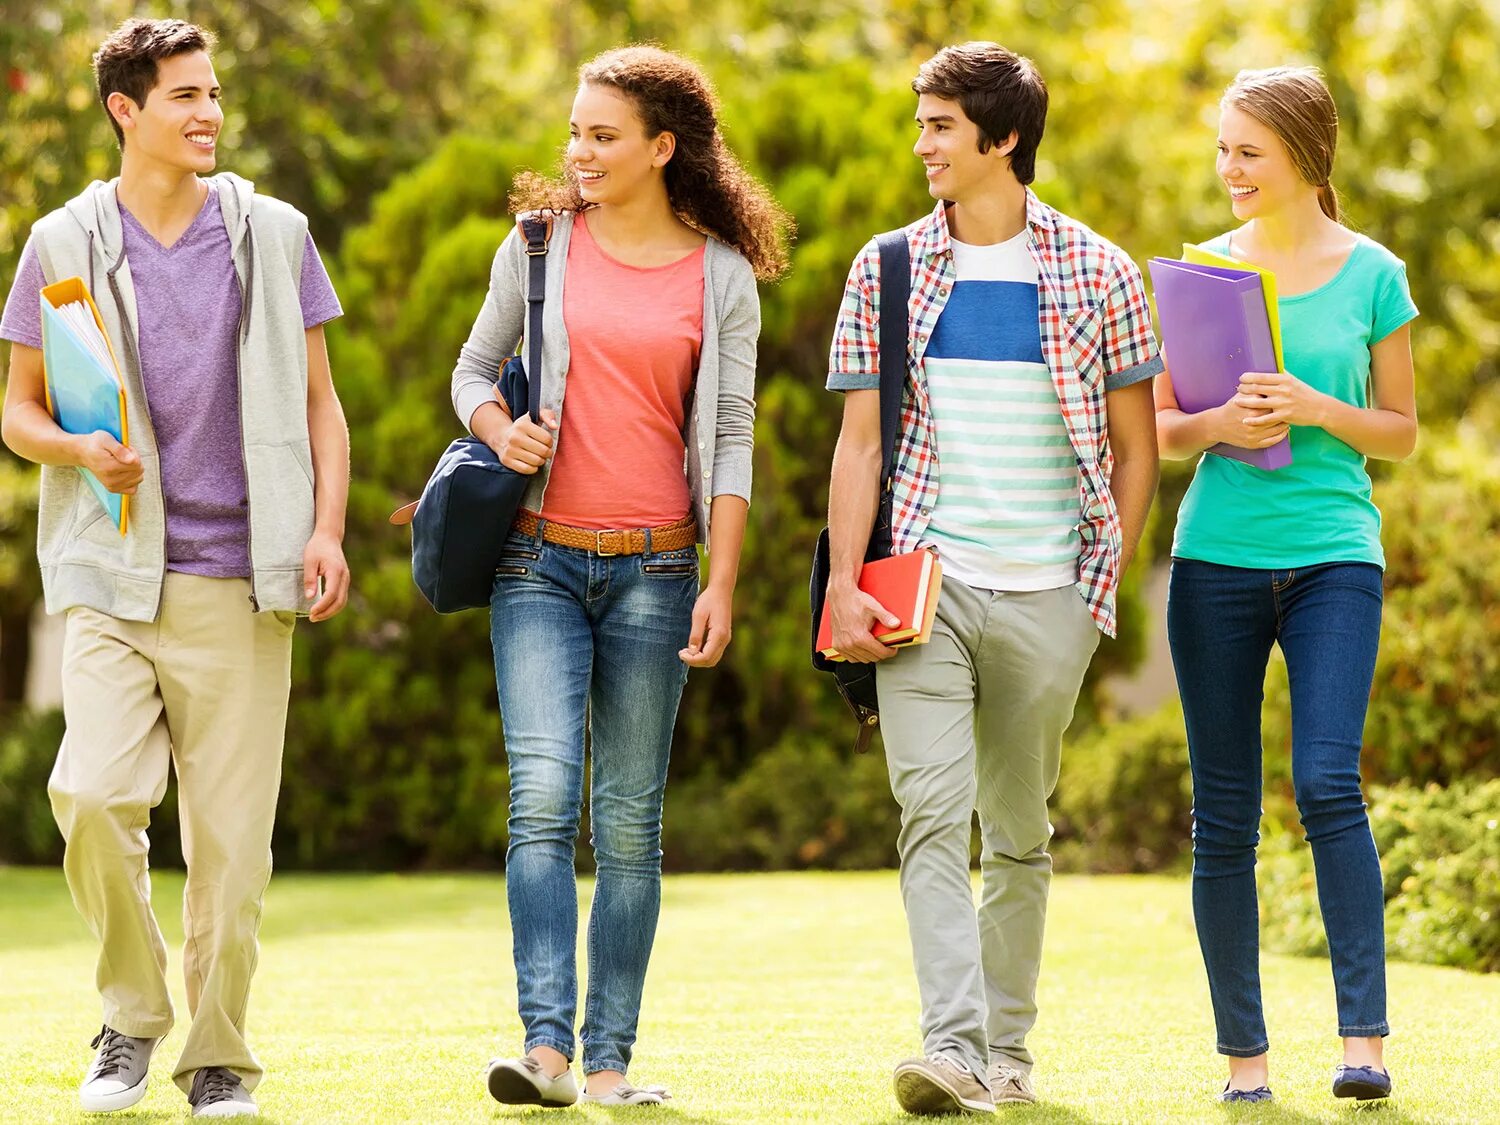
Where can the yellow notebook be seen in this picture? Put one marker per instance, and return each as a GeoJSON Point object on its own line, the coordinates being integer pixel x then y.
{"type": "Point", "coordinates": [1199, 256]}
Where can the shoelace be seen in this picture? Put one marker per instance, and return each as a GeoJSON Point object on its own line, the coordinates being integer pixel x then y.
{"type": "Point", "coordinates": [213, 1084]}
{"type": "Point", "coordinates": [115, 1051]}
{"type": "Point", "coordinates": [1004, 1074]}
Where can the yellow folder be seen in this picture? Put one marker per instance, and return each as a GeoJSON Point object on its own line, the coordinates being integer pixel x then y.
{"type": "Point", "coordinates": [1199, 256]}
{"type": "Point", "coordinates": [82, 382]}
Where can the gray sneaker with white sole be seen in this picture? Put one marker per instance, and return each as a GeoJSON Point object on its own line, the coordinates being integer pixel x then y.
{"type": "Point", "coordinates": [218, 1092]}
{"type": "Point", "coordinates": [117, 1077]}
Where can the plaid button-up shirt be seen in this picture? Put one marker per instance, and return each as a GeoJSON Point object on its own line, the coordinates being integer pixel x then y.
{"type": "Point", "coordinates": [1096, 337]}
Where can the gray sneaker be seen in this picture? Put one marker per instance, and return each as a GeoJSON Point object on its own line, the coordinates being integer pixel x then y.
{"type": "Point", "coordinates": [1009, 1085]}
{"type": "Point", "coordinates": [522, 1081]}
{"type": "Point", "coordinates": [117, 1078]}
{"type": "Point", "coordinates": [218, 1092]}
{"type": "Point", "coordinates": [938, 1084]}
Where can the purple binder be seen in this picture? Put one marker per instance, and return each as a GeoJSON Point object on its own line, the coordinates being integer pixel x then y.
{"type": "Point", "coordinates": [1214, 326]}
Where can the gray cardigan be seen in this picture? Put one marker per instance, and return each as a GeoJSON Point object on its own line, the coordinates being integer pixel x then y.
{"type": "Point", "coordinates": [721, 420]}
{"type": "Point", "coordinates": [84, 559]}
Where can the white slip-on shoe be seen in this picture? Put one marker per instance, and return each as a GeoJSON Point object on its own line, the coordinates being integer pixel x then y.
{"type": "Point", "coordinates": [626, 1094]}
{"type": "Point", "coordinates": [522, 1081]}
{"type": "Point", "coordinates": [117, 1077]}
{"type": "Point", "coordinates": [218, 1092]}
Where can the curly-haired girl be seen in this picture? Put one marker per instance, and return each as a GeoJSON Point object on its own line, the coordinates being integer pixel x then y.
{"type": "Point", "coordinates": [649, 337]}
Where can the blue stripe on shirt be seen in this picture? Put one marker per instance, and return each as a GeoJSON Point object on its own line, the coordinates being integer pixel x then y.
{"type": "Point", "coordinates": [997, 321]}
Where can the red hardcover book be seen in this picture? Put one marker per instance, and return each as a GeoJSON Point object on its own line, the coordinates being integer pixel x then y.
{"type": "Point", "coordinates": [908, 585]}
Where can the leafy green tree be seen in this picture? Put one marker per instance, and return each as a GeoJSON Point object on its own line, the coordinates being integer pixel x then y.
{"type": "Point", "coordinates": [397, 126]}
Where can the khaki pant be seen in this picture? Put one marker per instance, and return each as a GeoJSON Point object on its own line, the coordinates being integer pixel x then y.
{"type": "Point", "coordinates": [206, 684]}
{"type": "Point", "coordinates": [973, 720]}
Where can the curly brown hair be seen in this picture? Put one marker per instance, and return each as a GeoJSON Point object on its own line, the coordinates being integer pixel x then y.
{"type": "Point", "coordinates": [707, 186]}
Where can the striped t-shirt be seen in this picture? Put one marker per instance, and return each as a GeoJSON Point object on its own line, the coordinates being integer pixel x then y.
{"type": "Point", "coordinates": [1007, 511]}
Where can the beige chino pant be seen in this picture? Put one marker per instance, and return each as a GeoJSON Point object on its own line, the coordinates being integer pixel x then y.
{"type": "Point", "coordinates": [205, 686]}
{"type": "Point", "coordinates": [973, 721]}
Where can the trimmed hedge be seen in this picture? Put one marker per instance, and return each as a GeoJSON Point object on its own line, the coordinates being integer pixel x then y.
{"type": "Point", "coordinates": [363, 791]}
{"type": "Point", "coordinates": [1124, 798]}
{"type": "Point", "coordinates": [28, 747]}
{"type": "Point", "coordinates": [800, 804]}
{"type": "Point", "coordinates": [1435, 702]}
{"type": "Point", "coordinates": [28, 833]}
{"type": "Point", "coordinates": [1440, 858]}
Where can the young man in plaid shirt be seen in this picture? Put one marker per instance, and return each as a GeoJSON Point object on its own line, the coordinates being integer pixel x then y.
{"type": "Point", "coordinates": [1027, 459]}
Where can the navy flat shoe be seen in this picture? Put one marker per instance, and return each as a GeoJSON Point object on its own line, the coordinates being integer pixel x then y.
{"type": "Point", "coordinates": [1365, 1083]}
{"type": "Point", "coordinates": [1259, 1094]}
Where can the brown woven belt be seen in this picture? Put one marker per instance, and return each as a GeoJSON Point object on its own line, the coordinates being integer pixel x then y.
{"type": "Point", "coordinates": [626, 541]}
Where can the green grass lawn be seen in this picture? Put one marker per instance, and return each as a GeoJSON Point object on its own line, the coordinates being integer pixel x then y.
{"type": "Point", "coordinates": [772, 998]}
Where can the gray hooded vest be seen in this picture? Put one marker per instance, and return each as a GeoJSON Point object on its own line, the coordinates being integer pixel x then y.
{"type": "Point", "coordinates": [84, 559]}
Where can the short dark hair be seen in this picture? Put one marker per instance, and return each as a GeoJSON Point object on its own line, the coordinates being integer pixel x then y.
{"type": "Point", "coordinates": [1000, 91]}
{"type": "Point", "coordinates": [125, 63]}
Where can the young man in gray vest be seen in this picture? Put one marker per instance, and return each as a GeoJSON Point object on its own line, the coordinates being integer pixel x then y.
{"type": "Point", "coordinates": [1027, 461]}
{"type": "Point", "coordinates": [179, 633]}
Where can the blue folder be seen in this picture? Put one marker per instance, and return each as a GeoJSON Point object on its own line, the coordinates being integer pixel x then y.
{"type": "Point", "coordinates": [84, 393]}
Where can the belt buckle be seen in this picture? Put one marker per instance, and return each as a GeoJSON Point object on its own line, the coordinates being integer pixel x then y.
{"type": "Point", "coordinates": [599, 544]}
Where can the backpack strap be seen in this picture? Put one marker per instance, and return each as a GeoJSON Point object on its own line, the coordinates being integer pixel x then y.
{"type": "Point", "coordinates": [894, 321]}
{"type": "Point", "coordinates": [536, 229]}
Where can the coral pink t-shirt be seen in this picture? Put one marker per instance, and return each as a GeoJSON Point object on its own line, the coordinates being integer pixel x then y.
{"type": "Point", "coordinates": [634, 335]}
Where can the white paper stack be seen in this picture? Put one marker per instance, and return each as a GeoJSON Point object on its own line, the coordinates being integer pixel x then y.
{"type": "Point", "coordinates": [79, 320]}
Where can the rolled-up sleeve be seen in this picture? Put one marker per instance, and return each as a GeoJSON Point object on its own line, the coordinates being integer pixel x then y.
{"type": "Point", "coordinates": [1130, 350]}
{"type": "Point", "coordinates": [854, 358]}
{"type": "Point", "coordinates": [494, 336]}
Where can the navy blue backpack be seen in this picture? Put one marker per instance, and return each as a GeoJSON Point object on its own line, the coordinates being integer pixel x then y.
{"type": "Point", "coordinates": [459, 526]}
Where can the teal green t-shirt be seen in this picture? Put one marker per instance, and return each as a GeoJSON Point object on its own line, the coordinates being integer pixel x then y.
{"type": "Point", "coordinates": [1318, 508]}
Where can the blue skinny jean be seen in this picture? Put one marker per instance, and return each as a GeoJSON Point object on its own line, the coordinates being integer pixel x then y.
{"type": "Point", "coordinates": [585, 641]}
{"type": "Point", "coordinates": [1221, 623]}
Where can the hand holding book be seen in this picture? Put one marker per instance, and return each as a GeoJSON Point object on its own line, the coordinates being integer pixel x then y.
{"type": "Point", "coordinates": [853, 616]}
{"type": "Point", "coordinates": [910, 582]}
{"type": "Point", "coordinates": [1281, 398]}
{"type": "Point", "coordinates": [1242, 423]}
{"type": "Point", "coordinates": [1219, 323]}
{"type": "Point", "coordinates": [117, 466]}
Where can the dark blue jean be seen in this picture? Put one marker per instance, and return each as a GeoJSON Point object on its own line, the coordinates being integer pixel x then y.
{"type": "Point", "coordinates": [1221, 623]}
{"type": "Point", "coordinates": [585, 640]}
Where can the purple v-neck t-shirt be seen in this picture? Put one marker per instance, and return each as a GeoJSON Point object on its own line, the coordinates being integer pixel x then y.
{"type": "Point", "coordinates": [188, 318]}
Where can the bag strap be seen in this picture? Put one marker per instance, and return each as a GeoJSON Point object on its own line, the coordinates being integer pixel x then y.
{"type": "Point", "coordinates": [537, 232]}
{"type": "Point", "coordinates": [894, 325]}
